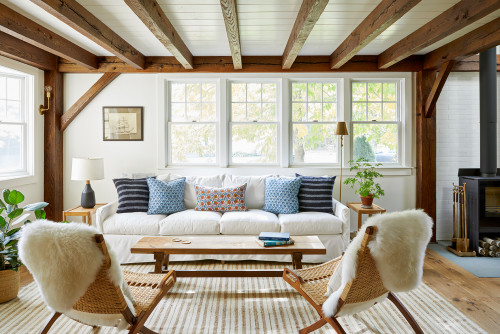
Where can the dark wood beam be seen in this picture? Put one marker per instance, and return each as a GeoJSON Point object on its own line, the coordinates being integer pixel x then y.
{"type": "Point", "coordinates": [151, 14]}
{"type": "Point", "coordinates": [53, 148]}
{"type": "Point", "coordinates": [437, 87]}
{"type": "Point", "coordinates": [471, 64]}
{"type": "Point", "coordinates": [31, 32]}
{"type": "Point", "coordinates": [233, 33]}
{"type": "Point", "coordinates": [80, 19]}
{"type": "Point", "coordinates": [452, 20]}
{"type": "Point", "coordinates": [426, 149]}
{"type": "Point", "coordinates": [381, 18]}
{"type": "Point", "coordinates": [308, 15]}
{"type": "Point", "coordinates": [16, 49]}
{"type": "Point", "coordinates": [251, 64]}
{"type": "Point", "coordinates": [86, 98]}
{"type": "Point", "coordinates": [476, 41]}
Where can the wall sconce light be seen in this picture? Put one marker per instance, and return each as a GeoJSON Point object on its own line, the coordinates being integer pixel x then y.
{"type": "Point", "coordinates": [41, 108]}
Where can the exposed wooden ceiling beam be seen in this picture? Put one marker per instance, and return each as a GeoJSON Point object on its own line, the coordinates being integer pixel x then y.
{"type": "Point", "coordinates": [383, 16]}
{"type": "Point", "coordinates": [86, 98]}
{"type": "Point", "coordinates": [476, 41]}
{"type": "Point", "coordinates": [455, 18]}
{"type": "Point", "coordinates": [16, 49]}
{"type": "Point", "coordinates": [309, 13]}
{"type": "Point", "coordinates": [471, 64]}
{"type": "Point", "coordinates": [233, 33]}
{"type": "Point", "coordinates": [437, 87]}
{"type": "Point", "coordinates": [31, 32]}
{"type": "Point", "coordinates": [151, 14]}
{"type": "Point", "coordinates": [271, 64]}
{"type": "Point", "coordinates": [80, 19]}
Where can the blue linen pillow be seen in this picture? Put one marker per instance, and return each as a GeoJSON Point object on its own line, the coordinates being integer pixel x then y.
{"type": "Point", "coordinates": [281, 195]}
{"type": "Point", "coordinates": [133, 195]}
{"type": "Point", "coordinates": [166, 197]}
{"type": "Point", "coordinates": [316, 194]}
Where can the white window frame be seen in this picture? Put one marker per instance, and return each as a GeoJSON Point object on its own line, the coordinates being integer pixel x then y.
{"type": "Point", "coordinates": [168, 119]}
{"type": "Point", "coordinates": [340, 117]}
{"type": "Point", "coordinates": [230, 122]}
{"type": "Point", "coordinates": [400, 116]}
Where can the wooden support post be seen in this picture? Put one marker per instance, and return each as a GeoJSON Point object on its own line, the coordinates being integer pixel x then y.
{"type": "Point", "coordinates": [426, 149]}
{"type": "Point", "coordinates": [437, 87]}
{"type": "Point", "coordinates": [53, 148]}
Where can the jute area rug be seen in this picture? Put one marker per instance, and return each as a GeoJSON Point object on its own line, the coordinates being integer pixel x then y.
{"type": "Point", "coordinates": [245, 305]}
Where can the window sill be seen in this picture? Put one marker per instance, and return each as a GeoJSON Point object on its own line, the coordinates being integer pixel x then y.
{"type": "Point", "coordinates": [16, 181]}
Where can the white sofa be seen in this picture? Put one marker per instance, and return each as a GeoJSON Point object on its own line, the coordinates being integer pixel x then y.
{"type": "Point", "coordinates": [122, 231]}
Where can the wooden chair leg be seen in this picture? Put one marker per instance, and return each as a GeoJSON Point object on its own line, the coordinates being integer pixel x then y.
{"type": "Point", "coordinates": [405, 313]}
{"type": "Point", "coordinates": [313, 327]}
{"type": "Point", "coordinates": [145, 330]}
{"type": "Point", "coordinates": [336, 325]}
{"type": "Point", "coordinates": [49, 323]}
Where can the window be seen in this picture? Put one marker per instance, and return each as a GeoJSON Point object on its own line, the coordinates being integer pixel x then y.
{"type": "Point", "coordinates": [376, 121]}
{"type": "Point", "coordinates": [14, 159]}
{"type": "Point", "coordinates": [254, 123]}
{"type": "Point", "coordinates": [193, 122]}
{"type": "Point", "coordinates": [314, 116]}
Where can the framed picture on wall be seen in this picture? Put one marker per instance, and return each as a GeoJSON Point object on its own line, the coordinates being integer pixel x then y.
{"type": "Point", "coordinates": [122, 123]}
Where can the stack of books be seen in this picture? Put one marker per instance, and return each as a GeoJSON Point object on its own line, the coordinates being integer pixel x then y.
{"type": "Point", "coordinates": [269, 239]}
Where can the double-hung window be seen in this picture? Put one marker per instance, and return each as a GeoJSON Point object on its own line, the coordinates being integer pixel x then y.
{"type": "Point", "coordinates": [376, 121]}
{"type": "Point", "coordinates": [254, 126]}
{"type": "Point", "coordinates": [193, 122]}
{"type": "Point", "coordinates": [314, 117]}
{"type": "Point", "coordinates": [14, 125]}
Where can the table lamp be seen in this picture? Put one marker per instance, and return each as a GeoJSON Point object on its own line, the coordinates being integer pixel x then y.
{"type": "Point", "coordinates": [87, 169]}
{"type": "Point", "coordinates": [341, 131]}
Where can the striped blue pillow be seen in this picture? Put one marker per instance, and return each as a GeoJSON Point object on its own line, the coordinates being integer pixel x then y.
{"type": "Point", "coordinates": [316, 194]}
{"type": "Point", "coordinates": [133, 195]}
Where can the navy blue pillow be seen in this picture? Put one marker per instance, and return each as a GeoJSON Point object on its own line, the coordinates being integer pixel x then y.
{"type": "Point", "coordinates": [133, 195]}
{"type": "Point", "coordinates": [316, 194]}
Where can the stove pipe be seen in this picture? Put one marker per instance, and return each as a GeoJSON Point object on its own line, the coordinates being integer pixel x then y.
{"type": "Point", "coordinates": [488, 112]}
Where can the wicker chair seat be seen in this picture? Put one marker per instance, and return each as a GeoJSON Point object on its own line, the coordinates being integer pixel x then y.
{"type": "Point", "coordinates": [145, 288]}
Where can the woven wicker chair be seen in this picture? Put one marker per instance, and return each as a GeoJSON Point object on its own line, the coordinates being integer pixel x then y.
{"type": "Point", "coordinates": [312, 283]}
{"type": "Point", "coordinates": [104, 297]}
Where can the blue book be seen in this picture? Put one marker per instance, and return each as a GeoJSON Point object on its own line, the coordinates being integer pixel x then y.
{"type": "Point", "coordinates": [276, 236]}
{"type": "Point", "coordinates": [271, 243]}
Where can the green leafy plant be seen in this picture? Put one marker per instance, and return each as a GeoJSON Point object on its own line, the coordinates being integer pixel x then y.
{"type": "Point", "coordinates": [365, 177]}
{"type": "Point", "coordinates": [12, 217]}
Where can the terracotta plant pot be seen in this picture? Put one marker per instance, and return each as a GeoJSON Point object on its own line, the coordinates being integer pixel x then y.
{"type": "Point", "coordinates": [366, 202]}
{"type": "Point", "coordinates": [9, 286]}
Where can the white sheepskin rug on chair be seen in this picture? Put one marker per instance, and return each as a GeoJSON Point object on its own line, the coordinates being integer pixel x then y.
{"type": "Point", "coordinates": [398, 249]}
{"type": "Point", "coordinates": [64, 260]}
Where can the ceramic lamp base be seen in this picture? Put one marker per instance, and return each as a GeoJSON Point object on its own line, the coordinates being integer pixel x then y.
{"type": "Point", "coordinates": [88, 197]}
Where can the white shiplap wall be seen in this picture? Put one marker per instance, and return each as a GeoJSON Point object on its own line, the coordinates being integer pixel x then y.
{"type": "Point", "coordinates": [457, 114]}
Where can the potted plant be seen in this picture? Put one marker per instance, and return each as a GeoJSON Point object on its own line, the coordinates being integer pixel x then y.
{"type": "Point", "coordinates": [12, 217]}
{"type": "Point", "coordinates": [365, 177]}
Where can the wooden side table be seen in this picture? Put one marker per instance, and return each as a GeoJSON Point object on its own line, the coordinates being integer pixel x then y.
{"type": "Point", "coordinates": [86, 214]}
{"type": "Point", "coordinates": [356, 206]}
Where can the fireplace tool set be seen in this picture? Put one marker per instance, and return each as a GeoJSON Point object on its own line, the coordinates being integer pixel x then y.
{"type": "Point", "coordinates": [460, 242]}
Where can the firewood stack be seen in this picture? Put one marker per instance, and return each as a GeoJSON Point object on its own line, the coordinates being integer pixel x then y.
{"type": "Point", "coordinates": [489, 247]}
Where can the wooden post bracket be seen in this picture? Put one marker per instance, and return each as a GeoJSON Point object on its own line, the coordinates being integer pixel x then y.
{"type": "Point", "coordinates": [437, 87]}
{"type": "Point", "coordinates": [86, 98]}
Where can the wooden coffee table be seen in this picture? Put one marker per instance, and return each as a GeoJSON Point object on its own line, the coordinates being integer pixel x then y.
{"type": "Point", "coordinates": [162, 247]}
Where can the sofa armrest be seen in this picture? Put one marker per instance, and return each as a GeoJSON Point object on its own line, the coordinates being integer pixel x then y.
{"type": "Point", "coordinates": [104, 212]}
{"type": "Point", "coordinates": [343, 213]}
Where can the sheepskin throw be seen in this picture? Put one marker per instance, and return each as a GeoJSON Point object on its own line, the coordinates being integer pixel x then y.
{"type": "Point", "coordinates": [64, 260]}
{"type": "Point", "coordinates": [398, 249]}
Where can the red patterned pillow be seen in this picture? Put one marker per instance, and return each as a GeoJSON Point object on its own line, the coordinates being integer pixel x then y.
{"type": "Point", "coordinates": [220, 199]}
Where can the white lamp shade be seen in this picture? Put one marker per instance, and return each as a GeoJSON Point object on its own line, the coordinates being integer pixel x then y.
{"type": "Point", "coordinates": [87, 169]}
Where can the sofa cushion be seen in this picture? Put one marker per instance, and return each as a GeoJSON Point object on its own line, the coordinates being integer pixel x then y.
{"type": "Point", "coordinates": [256, 188]}
{"type": "Point", "coordinates": [220, 199]}
{"type": "Point", "coordinates": [132, 223]}
{"type": "Point", "coordinates": [310, 223]}
{"type": "Point", "coordinates": [316, 194]}
{"type": "Point", "coordinates": [191, 222]}
{"type": "Point", "coordinates": [249, 222]}
{"type": "Point", "coordinates": [189, 191]}
{"type": "Point", "coordinates": [133, 195]}
{"type": "Point", "coordinates": [281, 195]}
{"type": "Point", "coordinates": [166, 197]}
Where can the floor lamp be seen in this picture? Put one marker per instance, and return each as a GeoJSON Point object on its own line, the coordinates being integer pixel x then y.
{"type": "Point", "coordinates": [341, 131]}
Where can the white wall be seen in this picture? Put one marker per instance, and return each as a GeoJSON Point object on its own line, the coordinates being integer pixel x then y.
{"type": "Point", "coordinates": [31, 186]}
{"type": "Point", "coordinates": [84, 138]}
{"type": "Point", "coordinates": [457, 113]}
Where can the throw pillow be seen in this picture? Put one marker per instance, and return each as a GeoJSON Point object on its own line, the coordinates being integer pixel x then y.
{"type": "Point", "coordinates": [166, 197]}
{"type": "Point", "coordinates": [316, 194]}
{"type": "Point", "coordinates": [133, 195]}
{"type": "Point", "coordinates": [281, 195]}
{"type": "Point", "coordinates": [220, 199]}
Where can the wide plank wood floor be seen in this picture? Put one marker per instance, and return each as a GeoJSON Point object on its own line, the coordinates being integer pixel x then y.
{"type": "Point", "coordinates": [478, 298]}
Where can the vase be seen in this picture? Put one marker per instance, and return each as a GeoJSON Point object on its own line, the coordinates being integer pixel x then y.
{"type": "Point", "coordinates": [9, 286]}
{"type": "Point", "coordinates": [367, 202]}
